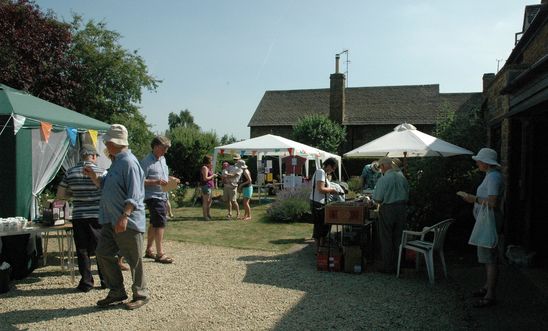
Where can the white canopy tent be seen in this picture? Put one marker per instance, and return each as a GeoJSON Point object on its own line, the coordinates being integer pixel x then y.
{"type": "Point", "coordinates": [272, 145]}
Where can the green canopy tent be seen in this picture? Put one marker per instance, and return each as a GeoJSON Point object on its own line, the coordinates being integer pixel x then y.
{"type": "Point", "coordinates": [25, 151]}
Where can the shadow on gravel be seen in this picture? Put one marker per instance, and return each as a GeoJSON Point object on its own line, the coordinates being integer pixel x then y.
{"type": "Point", "coordinates": [11, 319]}
{"type": "Point", "coordinates": [336, 300]}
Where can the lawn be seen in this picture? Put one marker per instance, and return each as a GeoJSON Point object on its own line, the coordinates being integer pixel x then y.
{"type": "Point", "coordinates": [259, 233]}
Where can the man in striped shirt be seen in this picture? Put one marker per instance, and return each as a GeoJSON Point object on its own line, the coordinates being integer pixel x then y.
{"type": "Point", "coordinates": [85, 198]}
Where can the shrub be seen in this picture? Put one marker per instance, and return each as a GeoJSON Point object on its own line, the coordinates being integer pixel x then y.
{"type": "Point", "coordinates": [291, 205]}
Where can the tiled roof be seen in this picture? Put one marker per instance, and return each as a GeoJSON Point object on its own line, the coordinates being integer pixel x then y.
{"type": "Point", "coordinates": [417, 104]}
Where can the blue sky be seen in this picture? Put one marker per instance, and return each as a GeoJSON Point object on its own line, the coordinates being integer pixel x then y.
{"type": "Point", "coordinates": [216, 58]}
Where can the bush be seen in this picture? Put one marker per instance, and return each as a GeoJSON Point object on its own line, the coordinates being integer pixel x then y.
{"type": "Point", "coordinates": [291, 205]}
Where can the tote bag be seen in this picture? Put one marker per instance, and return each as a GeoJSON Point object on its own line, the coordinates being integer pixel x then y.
{"type": "Point", "coordinates": [484, 233]}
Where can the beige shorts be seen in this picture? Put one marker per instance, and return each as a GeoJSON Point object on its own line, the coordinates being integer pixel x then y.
{"type": "Point", "coordinates": [229, 193]}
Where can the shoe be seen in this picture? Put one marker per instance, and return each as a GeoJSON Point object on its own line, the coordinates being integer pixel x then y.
{"type": "Point", "coordinates": [83, 288]}
{"type": "Point", "coordinates": [110, 300]}
{"type": "Point", "coordinates": [163, 259]}
{"type": "Point", "coordinates": [485, 302]}
{"type": "Point", "coordinates": [150, 255]}
{"type": "Point", "coordinates": [479, 293]}
{"type": "Point", "coordinates": [136, 303]}
{"type": "Point", "coordinates": [103, 285]}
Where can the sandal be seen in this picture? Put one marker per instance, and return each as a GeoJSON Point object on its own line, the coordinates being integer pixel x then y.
{"type": "Point", "coordinates": [163, 259]}
{"type": "Point", "coordinates": [150, 255]}
{"type": "Point", "coordinates": [480, 293]}
{"type": "Point", "coordinates": [485, 302]}
{"type": "Point", "coordinates": [229, 216]}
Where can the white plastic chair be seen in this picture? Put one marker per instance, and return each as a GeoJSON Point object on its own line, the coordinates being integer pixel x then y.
{"type": "Point", "coordinates": [427, 248]}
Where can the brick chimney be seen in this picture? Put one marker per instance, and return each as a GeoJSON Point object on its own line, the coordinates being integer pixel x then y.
{"type": "Point", "coordinates": [336, 94]}
{"type": "Point", "coordinates": [487, 80]}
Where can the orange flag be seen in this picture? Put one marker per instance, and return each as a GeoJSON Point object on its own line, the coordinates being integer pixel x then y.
{"type": "Point", "coordinates": [45, 129]}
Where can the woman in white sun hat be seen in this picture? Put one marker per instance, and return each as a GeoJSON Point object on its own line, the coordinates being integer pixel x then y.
{"type": "Point", "coordinates": [489, 192]}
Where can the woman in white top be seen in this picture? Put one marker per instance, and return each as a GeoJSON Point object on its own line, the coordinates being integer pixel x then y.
{"type": "Point", "coordinates": [489, 192]}
{"type": "Point", "coordinates": [318, 199]}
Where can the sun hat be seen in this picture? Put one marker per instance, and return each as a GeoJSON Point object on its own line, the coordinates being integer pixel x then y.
{"type": "Point", "coordinates": [487, 156]}
{"type": "Point", "coordinates": [396, 163]}
{"type": "Point", "coordinates": [117, 134]}
{"type": "Point", "coordinates": [384, 160]}
{"type": "Point", "coordinates": [88, 149]}
{"type": "Point", "coordinates": [236, 157]}
{"type": "Point", "coordinates": [241, 164]}
{"type": "Point", "coordinates": [375, 166]}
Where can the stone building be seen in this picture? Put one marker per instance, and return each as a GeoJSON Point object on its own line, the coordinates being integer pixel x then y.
{"type": "Point", "coordinates": [366, 112]}
{"type": "Point", "coordinates": [516, 110]}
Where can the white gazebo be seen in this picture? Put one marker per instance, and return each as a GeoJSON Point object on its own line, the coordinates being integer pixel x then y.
{"type": "Point", "coordinates": [272, 145]}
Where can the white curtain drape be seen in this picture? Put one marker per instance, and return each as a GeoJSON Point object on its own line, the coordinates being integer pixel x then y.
{"type": "Point", "coordinates": [47, 158]}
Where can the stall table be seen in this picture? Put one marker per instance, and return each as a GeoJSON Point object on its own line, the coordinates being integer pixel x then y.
{"type": "Point", "coordinates": [355, 214]}
{"type": "Point", "coordinates": [63, 232]}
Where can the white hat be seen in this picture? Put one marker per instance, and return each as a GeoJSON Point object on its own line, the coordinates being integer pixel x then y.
{"type": "Point", "coordinates": [117, 134]}
{"type": "Point", "coordinates": [487, 156]}
{"type": "Point", "coordinates": [241, 164]}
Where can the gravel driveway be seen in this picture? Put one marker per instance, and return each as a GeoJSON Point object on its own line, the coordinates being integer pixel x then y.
{"type": "Point", "coordinates": [218, 288]}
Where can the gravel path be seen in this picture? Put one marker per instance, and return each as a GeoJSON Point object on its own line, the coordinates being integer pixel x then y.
{"type": "Point", "coordinates": [218, 288]}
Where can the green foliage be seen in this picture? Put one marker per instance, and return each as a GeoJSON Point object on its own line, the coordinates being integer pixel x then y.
{"type": "Point", "coordinates": [226, 139]}
{"type": "Point", "coordinates": [34, 53]}
{"type": "Point", "coordinates": [180, 196]}
{"type": "Point", "coordinates": [188, 147]}
{"type": "Point", "coordinates": [291, 205]}
{"type": "Point", "coordinates": [354, 184]}
{"type": "Point", "coordinates": [184, 119]}
{"type": "Point", "coordinates": [320, 132]}
{"type": "Point", "coordinates": [435, 180]}
{"type": "Point", "coordinates": [109, 79]}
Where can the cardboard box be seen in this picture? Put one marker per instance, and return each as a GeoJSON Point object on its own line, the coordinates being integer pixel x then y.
{"type": "Point", "coordinates": [56, 212]}
{"type": "Point", "coordinates": [353, 259]}
{"type": "Point", "coordinates": [345, 213]}
{"type": "Point", "coordinates": [329, 260]}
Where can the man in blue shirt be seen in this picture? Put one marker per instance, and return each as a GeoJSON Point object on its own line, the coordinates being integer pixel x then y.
{"type": "Point", "coordinates": [156, 176]}
{"type": "Point", "coordinates": [122, 216]}
{"type": "Point", "coordinates": [392, 193]}
{"type": "Point", "coordinates": [370, 175]}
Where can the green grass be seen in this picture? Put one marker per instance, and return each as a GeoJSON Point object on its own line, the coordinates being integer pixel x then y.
{"type": "Point", "coordinates": [259, 233]}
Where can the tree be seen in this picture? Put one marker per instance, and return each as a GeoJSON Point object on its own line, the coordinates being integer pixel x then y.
{"type": "Point", "coordinates": [320, 132]}
{"type": "Point", "coordinates": [184, 119]}
{"type": "Point", "coordinates": [226, 139]}
{"type": "Point", "coordinates": [188, 147]}
{"type": "Point", "coordinates": [110, 79]}
{"type": "Point", "coordinates": [34, 52]}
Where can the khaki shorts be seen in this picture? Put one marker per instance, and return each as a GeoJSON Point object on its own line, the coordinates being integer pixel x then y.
{"type": "Point", "coordinates": [229, 193]}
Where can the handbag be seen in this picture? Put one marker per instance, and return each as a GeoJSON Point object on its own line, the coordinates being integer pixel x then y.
{"type": "Point", "coordinates": [484, 233]}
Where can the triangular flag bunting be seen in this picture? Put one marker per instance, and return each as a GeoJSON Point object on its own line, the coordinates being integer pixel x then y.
{"type": "Point", "coordinates": [222, 151]}
{"type": "Point", "coordinates": [45, 129]}
{"type": "Point", "coordinates": [18, 122]}
{"type": "Point", "coordinates": [93, 136]}
{"type": "Point", "coordinates": [71, 133]}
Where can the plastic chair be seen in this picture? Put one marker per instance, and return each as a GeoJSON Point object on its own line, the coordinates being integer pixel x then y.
{"type": "Point", "coordinates": [427, 248]}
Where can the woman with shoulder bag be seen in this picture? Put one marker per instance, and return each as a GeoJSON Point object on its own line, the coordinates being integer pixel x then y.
{"type": "Point", "coordinates": [246, 188]}
{"type": "Point", "coordinates": [488, 199]}
{"type": "Point", "coordinates": [318, 199]}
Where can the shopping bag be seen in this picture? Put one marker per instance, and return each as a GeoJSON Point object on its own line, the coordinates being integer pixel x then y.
{"type": "Point", "coordinates": [484, 233]}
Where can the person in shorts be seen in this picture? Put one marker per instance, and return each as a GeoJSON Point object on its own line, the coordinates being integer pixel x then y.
{"type": "Point", "coordinates": [156, 175]}
{"type": "Point", "coordinates": [231, 176]}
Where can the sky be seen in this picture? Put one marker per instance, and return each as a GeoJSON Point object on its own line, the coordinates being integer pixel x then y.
{"type": "Point", "coordinates": [217, 58]}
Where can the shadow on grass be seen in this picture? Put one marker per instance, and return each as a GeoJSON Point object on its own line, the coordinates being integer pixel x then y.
{"type": "Point", "coordinates": [288, 241]}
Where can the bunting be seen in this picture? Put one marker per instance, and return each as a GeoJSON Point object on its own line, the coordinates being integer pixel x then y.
{"type": "Point", "coordinates": [222, 152]}
{"type": "Point", "coordinates": [18, 122]}
{"type": "Point", "coordinates": [45, 130]}
{"type": "Point", "coordinates": [71, 133]}
{"type": "Point", "coordinates": [93, 136]}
